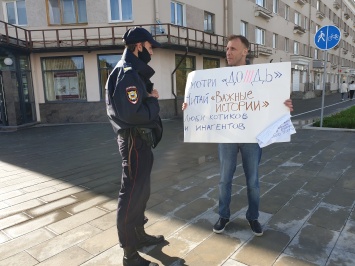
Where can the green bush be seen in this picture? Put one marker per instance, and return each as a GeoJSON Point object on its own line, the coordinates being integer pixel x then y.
{"type": "Point", "coordinates": [344, 119]}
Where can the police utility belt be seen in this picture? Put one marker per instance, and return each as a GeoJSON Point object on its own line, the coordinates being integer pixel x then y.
{"type": "Point", "coordinates": [145, 134]}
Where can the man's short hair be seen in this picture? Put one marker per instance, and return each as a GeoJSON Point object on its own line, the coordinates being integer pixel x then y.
{"type": "Point", "coordinates": [241, 38]}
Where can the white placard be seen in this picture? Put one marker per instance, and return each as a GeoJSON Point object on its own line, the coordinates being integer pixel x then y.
{"type": "Point", "coordinates": [235, 104]}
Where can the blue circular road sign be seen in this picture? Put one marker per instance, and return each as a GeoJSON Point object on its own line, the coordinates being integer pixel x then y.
{"type": "Point", "coordinates": [327, 37]}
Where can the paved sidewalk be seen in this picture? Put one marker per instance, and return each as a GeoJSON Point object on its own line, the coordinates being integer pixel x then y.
{"type": "Point", "coordinates": [58, 189]}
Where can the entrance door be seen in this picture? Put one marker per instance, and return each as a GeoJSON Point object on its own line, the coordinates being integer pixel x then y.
{"type": "Point", "coordinates": [3, 114]}
{"type": "Point", "coordinates": [26, 93]}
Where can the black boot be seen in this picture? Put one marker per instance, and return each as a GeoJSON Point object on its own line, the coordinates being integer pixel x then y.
{"type": "Point", "coordinates": [132, 258]}
{"type": "Point", "coordinates": [146, 240]}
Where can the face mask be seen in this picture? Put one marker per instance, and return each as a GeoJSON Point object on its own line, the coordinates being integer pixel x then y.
{"type": "Point", "coordinates": [144, 55]}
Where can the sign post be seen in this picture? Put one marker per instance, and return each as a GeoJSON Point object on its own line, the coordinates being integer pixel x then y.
{"type": "Point", "coordinates": [326, 38]}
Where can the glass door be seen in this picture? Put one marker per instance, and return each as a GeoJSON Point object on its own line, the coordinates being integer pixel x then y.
{"type": "Point", "coordinates": [26, 92]}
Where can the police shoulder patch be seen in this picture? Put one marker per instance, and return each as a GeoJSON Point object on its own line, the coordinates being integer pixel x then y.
{"type": "Point", "coordinates": [132, 94]}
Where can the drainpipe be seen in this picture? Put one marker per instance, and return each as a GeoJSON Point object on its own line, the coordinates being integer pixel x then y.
{"type": "Point", "coordinates": [309, 73]}
{"type": "Point", "coordinates": [156, 10]}
{"type": "Point", "coordinates": [172, 80]}
{"type": "Point", "coordinates": [225, 28]}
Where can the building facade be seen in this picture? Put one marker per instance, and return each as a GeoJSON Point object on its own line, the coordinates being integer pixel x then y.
{"type": "Point", "coordinates": [55, 55]}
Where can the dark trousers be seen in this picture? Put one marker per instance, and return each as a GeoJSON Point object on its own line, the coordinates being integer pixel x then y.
{"type": "Point", "coordinates": [135, 188]}
{"type": "Point", "coordinates": [352, 94]}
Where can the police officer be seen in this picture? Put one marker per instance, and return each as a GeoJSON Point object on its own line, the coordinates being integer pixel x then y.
{"type": "Point", "coordinates": [133, 110]}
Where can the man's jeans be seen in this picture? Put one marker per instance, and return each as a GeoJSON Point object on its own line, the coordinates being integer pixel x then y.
{"type": "Point", "coordinates": [251, 155]}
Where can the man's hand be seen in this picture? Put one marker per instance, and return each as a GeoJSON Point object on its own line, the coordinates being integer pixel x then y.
{"type": "Point", "coordinates": [154, 94]}
{"type": "Point", "coordinates": [184, 106]}
{"type": "Point", "coordinates": [289, 104]}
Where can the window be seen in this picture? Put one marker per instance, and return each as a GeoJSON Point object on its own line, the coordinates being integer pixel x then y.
{"type": "Point", "coordinates": [274, 40]}
{"type": "Point", "coordinates": [318, 5]}
{"type": "Point", "coordinates": [296, 48]}
{"type": "Point", "coordinates": [287, 12]}
{"type": "Point", "coordinates": [297, 18]}
{"type": "Point", "coordinates": [210, 63]}
{"type": "Point", "coordinates": [64, 78]}
{"type": "Point", "coordinates": [306, 23]}
{"type": "Point", "coordinates": [287, 41]}
{"type": "Point", "coordinates": [315, 53]}
{"type": "Point", "coordinates": [66, 11]}
{"type": "Point", "coordinates": [177, 13]}
{"type": "Point", "coordinates": [187, 65]}
{"type": "Point", "coordinates": [244, 29]}
{"type": "Point", "coordinates": [120, 10]}
{"type": "Point", "coordinates": [208, 22]}
{"type": "Point", "coordinates": [260, 3]}
{"type": "Point", "coordinates": [260, 36]}
{"type": "Point", "coordinates": [107, 63]}
{"type": "Point", "coordinates": [275, 6]}
{"type": "Point", "coordinates": [305, 50]}
{"type": "Point", "coordinates": [15, 12]}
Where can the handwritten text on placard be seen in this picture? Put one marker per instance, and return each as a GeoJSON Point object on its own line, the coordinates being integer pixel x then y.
{"type": "Point", "coordinates": [234, 104]}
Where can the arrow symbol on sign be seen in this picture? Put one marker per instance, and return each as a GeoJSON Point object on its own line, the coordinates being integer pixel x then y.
{"type": "Point", "coordinates": [277, 74]}
{"type": "Point", "coordinates": [266, 104]}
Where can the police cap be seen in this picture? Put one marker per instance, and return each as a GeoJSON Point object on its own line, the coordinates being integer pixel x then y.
{"type": "Point", "coordinates": [137, 35]}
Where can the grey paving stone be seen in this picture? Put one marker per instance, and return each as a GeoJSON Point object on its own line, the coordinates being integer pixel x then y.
{"type": "Point", "coordinates": [62, 194]}
{"type": "Point", "coordinates": [196, 232]}
{"type": "Point", "coordinates": [100, 242]}
{"type": "Point", "coordinates": [289, 220]}
{"type": "Point", "coordinates": [109, 206]}
{"type": "Point", "coordinates": [110, 257]}
{"type": "Point", "coordinates": [273, 202]}
{"type": "Point", "coordinates": [86, 204]}
{"type": "Point", "coordinates": [20, 207]}
{"type": "Point", "coordinates": [36, 223]}
{"type": "Point", "coordinates": [62, 242]}
{"type": "Point", "coordinates": [24, 242]}
{"type": "Point", "coordinates": [263, 250]}
{"type": "Point", "coordinates": [13, 220]}
{"type": "Point", "coordinates": [341, 197]}
{"type": "Point", "coordinates": [76, 220]}
{"type": "Point", "coordinates": [3, 237]}
{"type": "Point", "coordinates": [213, 251]}
{"type": "Point", "coordinates": [106, 221]}
{"type": "Point", "coordinates": [347, 182]}
{"type": "Point", "coordinates": [313, 244]}
{"type": "Point", "coordinates": [238, 201]}
{"type": "Point", "coordinates": [3, 205]}
{"type": "Point", "coordinates": [319, 185]}
{"type": "Point", "coordinates": [22, 258]}
{"type": "Point", "coordinates": [291, 261]}
{"type": "Point", "coordinates": [22, 185]}
{"type": "Point", "coordinates": [48, 207]}
{"type": "Point", "coordinates": [42, 186]}
{"type": "Point", "coordinates": [347, 237]}
{"type": "Point", "coordinates": [321, 216]}
{"type": "Point", "coordinates": [171, 252]}
{"type": "Point", "coordinates": [10, 194]}
{"type": "Point", "coordinates": [30, 195]}
{"type": "Point", "coordinates": [305, 200]}
{"type": "Point", "coordinates": [194, 209]}
{"type": "Point", "coordinates": [165, 227]}
{"type": "Point", "coordinates": [189, 195]}
{"type": "Point", "coordinates": [72, 256]}
{"type": "Point", "coordinates": [340, 257]}
{"type": "Point", "coordinates": [288, 186]}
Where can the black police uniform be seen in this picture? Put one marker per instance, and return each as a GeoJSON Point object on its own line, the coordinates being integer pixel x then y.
{"type": "Point", "coordinates": [135, 118]}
